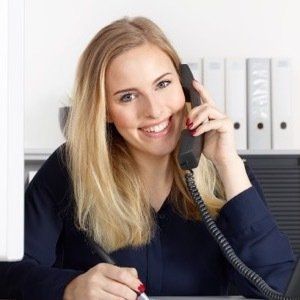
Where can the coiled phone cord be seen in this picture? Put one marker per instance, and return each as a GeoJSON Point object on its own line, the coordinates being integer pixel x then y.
{"type": "Point", "coordinates": [226, 248]}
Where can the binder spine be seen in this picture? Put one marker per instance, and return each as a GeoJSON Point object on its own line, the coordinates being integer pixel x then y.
{"type": "Point", "coordinates": [282, 124]}
{"type": "Point", "coordinates": [214, 81]}
{"type": "Point", "coordinates": [236, 98]}
{"type": "Point", "coordinates": [259, 106]}
{"type": "Point", "coordinates": [196, 69]}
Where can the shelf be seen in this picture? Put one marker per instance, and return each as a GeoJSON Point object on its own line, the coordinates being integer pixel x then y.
{"type": "Point", "coordinates": [37, 154]}
{"type": "Point", "coordinates": [43, 154]}
{"type": "Point", "coordinates": [269, 152]}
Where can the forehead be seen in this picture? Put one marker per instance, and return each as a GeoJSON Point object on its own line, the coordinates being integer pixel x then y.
{"type": "Point", "coordinates": [145, 62]}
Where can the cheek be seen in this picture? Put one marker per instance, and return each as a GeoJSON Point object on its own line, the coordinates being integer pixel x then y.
{"type": "Point", "coordinates": [179, 104]}
{"type": "Point", "coordinates": [121, 118]}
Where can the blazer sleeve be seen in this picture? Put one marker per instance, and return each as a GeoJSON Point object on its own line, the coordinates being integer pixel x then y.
{"type": "Point", "coordinates": [36, 277]}
{"type": "Point", "coordinates": [253, 233]}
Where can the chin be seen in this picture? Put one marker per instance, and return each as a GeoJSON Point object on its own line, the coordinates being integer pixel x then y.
{"type": "Point", "coordinates": [159, 153]}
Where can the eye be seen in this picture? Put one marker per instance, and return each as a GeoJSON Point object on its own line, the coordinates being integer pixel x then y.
{"type": "Point", "coordinates": [127, 97]}
{"type": "Point", "coordinates": [163, 84]}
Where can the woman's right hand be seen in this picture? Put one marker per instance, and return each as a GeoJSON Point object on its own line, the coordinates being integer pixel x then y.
{"type": "Point", "coordinates": [105, 282]}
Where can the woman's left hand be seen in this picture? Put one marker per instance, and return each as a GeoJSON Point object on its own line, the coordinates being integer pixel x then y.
{"type": "Point", "coordinates": [219, 145]}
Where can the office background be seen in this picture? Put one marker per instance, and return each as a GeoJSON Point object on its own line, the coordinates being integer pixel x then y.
{"type": "Point", "coordinates": [56, 32]}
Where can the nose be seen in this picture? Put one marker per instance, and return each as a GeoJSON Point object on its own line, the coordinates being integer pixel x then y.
{"type": "Point", "coordinates": [152, 106]}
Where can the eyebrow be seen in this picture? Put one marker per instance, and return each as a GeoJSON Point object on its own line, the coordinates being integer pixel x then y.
{"type": "Point", "coordinates": [130, 89]}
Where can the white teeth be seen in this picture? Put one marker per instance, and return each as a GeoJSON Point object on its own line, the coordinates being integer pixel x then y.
{"type": "Point", "coordinates": [157, 128]}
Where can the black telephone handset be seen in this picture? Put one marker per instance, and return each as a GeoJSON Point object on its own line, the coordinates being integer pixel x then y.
{"type": "Point", "coordinates": [190, 147]}
{"type": "Point", "coordinates": [189, 154]}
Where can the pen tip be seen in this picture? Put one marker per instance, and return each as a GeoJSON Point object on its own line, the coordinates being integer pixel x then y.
{"type": "Point", "coordinates": [143, 296]}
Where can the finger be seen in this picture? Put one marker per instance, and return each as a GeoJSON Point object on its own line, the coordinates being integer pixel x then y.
{"type": "Point", "coordinates": [205, 107]}
{"type": "Point", "coordinates": [221, 125]}
{"type": "Point", "coordinates": [133, 271]}
{"type": "Point", "coordinates": [91, 289]}
{"type": "Point", "coordinates": [203, 114]}
{"type": "Point", "coordinates": [122, 275]}
{"type": "Point", "coordinates": [121, 290]}
{"type": "Point", "coordinates": [204, 94]}
{"type": "Point", "coordinates": [108, 296]}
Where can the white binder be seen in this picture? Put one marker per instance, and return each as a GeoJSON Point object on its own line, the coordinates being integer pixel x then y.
{"type": "Point", "coordinates": [236, 98]}
{"type": "Point", "coordinates": [196, 68]}
{"type": "Point", "coordinates": [259, 111]}
{"type": "Point", "coordinates": [213, 80]}
{"type": "Point", "coordinates": [282, 124]}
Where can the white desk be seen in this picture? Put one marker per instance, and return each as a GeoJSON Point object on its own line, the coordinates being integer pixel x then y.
{"type": "Point", "coordinates": [199, 298]}
{"type": "Point", "coordinates": [193, 298]}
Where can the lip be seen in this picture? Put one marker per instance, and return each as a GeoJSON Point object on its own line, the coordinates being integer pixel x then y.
{"type": "Point", "coordinates": [158, 134]}
{"type": "Point", "coordinates": [156, 123]}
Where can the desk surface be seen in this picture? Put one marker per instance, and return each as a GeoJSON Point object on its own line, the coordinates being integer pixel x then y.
{"type": "Point", "coordinates": [199, 298]}
{"type": "Point", "coordinates": [193, 298]}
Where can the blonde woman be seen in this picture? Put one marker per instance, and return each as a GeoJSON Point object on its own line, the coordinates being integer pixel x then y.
{"type": "Point", "coordinates": [117, 181]}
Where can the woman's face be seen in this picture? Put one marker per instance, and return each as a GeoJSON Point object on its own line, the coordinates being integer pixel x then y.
{"type": "Point", "coordinates": [145, 100]}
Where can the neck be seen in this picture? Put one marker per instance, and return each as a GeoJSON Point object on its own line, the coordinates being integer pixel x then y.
{"type": "Point", "coordinates": [157, 176]}
{"type": "Point", "coordinates": [155, 171]}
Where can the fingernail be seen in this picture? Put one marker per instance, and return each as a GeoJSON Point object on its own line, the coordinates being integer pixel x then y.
{"type": "Point", "coordinates": [190, 125]}
{"type": "Point", "coordinates": [141, 288]}
{"type": "Point", "coordinates": [187, 123]}
{"type": "Point", "coordinates": [193, 132]}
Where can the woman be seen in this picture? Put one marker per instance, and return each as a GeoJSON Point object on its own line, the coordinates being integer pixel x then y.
{"type": "Point", "coordinates": [117, 181]}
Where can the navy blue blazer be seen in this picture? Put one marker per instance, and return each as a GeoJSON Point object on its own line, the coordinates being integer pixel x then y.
{"type": "Point", "coordinates": [182, 258]}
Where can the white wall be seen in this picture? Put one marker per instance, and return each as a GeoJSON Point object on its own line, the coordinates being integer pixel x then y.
{"type": "Point", "coordinates": [11, 129]}
{"type": "Point", "coordinates": [57, 31]}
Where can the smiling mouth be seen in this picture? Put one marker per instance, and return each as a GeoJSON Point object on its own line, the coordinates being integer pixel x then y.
{"type": "Point", "coordinates": [157, 128]}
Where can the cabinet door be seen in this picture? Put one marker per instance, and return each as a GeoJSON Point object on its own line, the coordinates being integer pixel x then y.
{"type": "Point", "coordinates": [279, 176]}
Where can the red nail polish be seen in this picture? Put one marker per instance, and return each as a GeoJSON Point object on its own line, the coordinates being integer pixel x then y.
{"type": "Point", "coordinates": [141, 288]}
{"type": "Point", "coordinates": [187, 123]}
{"type": "Point", "coordinates": [190, 125]}
{"type": "Point", "coordinates": [193, 132]}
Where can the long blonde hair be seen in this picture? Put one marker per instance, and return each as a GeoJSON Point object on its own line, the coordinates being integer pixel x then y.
{"type": "Point", "coordinates": [111, 205]}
